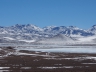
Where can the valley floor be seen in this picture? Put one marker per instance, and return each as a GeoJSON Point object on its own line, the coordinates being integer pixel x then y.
{"type": "Point", "coordinates": [12, 60]}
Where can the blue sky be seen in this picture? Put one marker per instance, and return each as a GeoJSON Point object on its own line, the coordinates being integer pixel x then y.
{"type": "Point", "coordinates": [80, 13]}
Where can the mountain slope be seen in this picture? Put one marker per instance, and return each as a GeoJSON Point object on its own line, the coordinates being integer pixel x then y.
{"type": "Point", "coordinates": [69, 31]}
{"type": "Point", "coordinates": [57, 39]}
{"type": "Point", "coordinates": [32, 33]}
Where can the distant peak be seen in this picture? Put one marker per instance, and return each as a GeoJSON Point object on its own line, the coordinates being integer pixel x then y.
{"type": "Point", "coordinates": [25, 25]}
{"type": "Point", "coordinates": [94, 25]}
{"type": "Point", "coordinates": [30, 25]}
{"type": "Point", "coordinates": [1, 27]}
{"type": "Point", "coordinates": [19, 24]}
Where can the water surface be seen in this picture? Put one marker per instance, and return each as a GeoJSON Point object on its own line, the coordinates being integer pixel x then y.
{"type": "Point", "coordinates": [70, 49]}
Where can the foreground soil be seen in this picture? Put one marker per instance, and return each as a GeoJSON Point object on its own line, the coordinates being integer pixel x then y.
{"type": "Point", "coordinates": [31, 61]}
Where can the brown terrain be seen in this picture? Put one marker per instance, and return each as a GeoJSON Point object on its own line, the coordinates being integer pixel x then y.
{"type": "Point", "coordinates": [32, 61]}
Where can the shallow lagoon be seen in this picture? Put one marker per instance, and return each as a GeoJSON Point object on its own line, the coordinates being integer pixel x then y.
{"type": "Point", "coordinates": [65, 49]}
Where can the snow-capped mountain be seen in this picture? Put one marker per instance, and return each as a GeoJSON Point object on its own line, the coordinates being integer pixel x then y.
{"type": "Point", "coordinates": [69, 31]}
{"type": "Point", "coordinates": [93, 29]}
{"type": "Point", "coordinates": [32, 33]}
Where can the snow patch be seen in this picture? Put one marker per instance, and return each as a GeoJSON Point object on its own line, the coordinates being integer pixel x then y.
{"type": "Point", "coordinates": [56, 67]}
{"type": "Point", "coordinates": [88, 63]}
{"type": "Point", "coordinates": [86, 39]}
{"type": "Point", "coordinates": [28, 40]}
{"type": "Point", "coordinates": [9, 38]}
{"type": "Point", "coordinates": [25, 67]}
{"type": "Point", "coordinates": [4, 67]}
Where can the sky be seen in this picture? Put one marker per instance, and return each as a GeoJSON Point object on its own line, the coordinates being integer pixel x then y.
{"type": "Point", "coordinates": [80, 13]}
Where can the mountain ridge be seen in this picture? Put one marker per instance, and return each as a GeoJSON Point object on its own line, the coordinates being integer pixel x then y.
{"type": "Point", "coordinates": [23, 32]}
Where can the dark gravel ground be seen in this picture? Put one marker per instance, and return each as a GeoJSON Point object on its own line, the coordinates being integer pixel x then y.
{"type": "Point", "coordinates": [43, 62]}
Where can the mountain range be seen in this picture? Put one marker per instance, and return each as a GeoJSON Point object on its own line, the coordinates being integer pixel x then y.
{"type": "Point", "coordinates": [51, 34]}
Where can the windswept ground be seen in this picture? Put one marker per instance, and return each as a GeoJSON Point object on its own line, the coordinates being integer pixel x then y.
{"type": "Point", "coordinates": [26, 60]}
